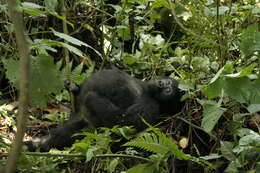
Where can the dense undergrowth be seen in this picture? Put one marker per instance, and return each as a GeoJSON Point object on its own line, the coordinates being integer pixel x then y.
{"type": "Point", "coordinates": [210, 47]}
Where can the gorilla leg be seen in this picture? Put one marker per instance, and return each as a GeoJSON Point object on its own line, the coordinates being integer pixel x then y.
{"type": "Point", "coordinates": [59, 137]}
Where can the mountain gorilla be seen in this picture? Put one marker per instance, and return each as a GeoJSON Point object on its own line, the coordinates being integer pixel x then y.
{"type": "Point", "coordinates": [112, 97]}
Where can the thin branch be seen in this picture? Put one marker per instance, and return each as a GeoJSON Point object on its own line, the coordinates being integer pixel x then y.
{"type": "Point", "coordinates": [15, 12]}
{"type": "Point", "coordinates": [79, 155]}
{"type": "Point", "coordinates": [195, 126]}
{"type": "Point", "coordinates": [66, 53]}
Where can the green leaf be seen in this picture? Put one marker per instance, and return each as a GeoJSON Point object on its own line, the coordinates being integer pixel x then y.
{"type": "Point", "coordinates": [52, 117]}
{"type": "Point", "coordinates": [223, 10]}
{"type": "Point", "coordinates": [68, 38]}
{"type": "Point", "coordinates": [90, 154]}
{"type": "Point", "coordinates": [41, 45]}
{"type": "Point", "coordinates": [237, 86]}
{"type": "Point", "coordinates": [244, 132]}
{"type": "Point", "coordinates": [32, 9]}
{"type": "Point", "coordinates": [252, 139]}
{"type": "Point", "coordinates": [249, 141]}
{"type": "Point", "coordinates": [123, 32]}
{"type": "Point", "coordinates": [157, 40]}
{"type": "Point", "coordinates": [31, 5]}
{"type": "Point", "coordinates": [232, 168]}
{"type": "Point", "coordinates": [244, 72]}
{"type": "Point", "coordinates": [72, 49]}
{"type": "Point", "coordinates": [12, 71]}
{"type": "Point", "coordinates": [240, 89]}
{"type": "Point", "coordinates": [159, 143]}
{"type": "Point", "coordinates": [255, 93]}
{"type": "Point", "coordinates": [125, 131]}
{"type": "Point", "coordinates": [228, 68]}
{"type": "Point", "coordinates": [215, 86]}
{"type": "Point", "coordinates": [51, 4]}
{"type": "Point", "coordinates": [44, 78]}
{"type": "Point", "coordinates": [214, 89]}
{"type": "Point", "coordinates": [60, 17]}
{"type": "Point", "coordinates": [211, 157]}
{"type": "Point", "coordinates": [142, 168]}
{"type": "Point", "coordinates": [129, 60]}
{"type": "Point", "coordinates": [160, 3]}
{"type": "Point", "coordinates": [81, 145]}
{"type": "Point", "coordinates": [226, 150]}
{"type": "Point", "coordinates": [113, 164]}
{"type": "Point", "coordinates": [250, 40]}
{"type": "Point", "coordinates": [253, 108]}
{"type": "Point", "coordinates": [73, 41]}
{"type": "Point", "coordinates": [211, 115]}
{"type": "Point", "coordinates": [149, 142]}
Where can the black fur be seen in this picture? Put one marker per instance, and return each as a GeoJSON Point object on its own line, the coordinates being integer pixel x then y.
{"type": "Point", "coordinates": [112, 97]}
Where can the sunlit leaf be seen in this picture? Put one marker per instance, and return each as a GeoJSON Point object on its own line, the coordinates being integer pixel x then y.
{"type": "Point", "coordinates": [32, 9]}
{"type": "Point", "coordinates": [253, 108]}
{"type": "Point", "coordinates": [113, 164]}
{"type": "Point", "coordinates": [73, 41]}
{"type": "Point", "coordinates": [211, 157]}
{"type": "Point", "coordinates": [244, 72]}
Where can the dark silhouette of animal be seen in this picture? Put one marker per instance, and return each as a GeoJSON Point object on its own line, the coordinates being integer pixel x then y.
{"type": "Point", "coordinates": [112, 97]}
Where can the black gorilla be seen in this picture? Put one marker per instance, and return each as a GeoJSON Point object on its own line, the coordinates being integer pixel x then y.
{"type": "Point", "coordinates": [112, 97]}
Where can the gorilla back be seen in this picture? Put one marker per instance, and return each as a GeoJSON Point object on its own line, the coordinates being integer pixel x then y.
{"type": "Point", "coordinates": [112, 97]}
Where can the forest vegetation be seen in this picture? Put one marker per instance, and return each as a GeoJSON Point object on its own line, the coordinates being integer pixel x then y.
{"type": "Point", "coordinates": [211, 47]}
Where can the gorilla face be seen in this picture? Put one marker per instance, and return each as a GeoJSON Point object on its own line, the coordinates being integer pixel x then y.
{"type": "Point", "coordinates": [167, 88]}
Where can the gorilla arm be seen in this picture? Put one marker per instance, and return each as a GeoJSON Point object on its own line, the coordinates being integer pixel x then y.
{"type": "Point", "coordinates": [103, 112]}
{"type": "Point", "coordinates": [144, 107]}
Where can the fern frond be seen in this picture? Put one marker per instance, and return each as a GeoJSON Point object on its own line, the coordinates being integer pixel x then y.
{"type": "Point", "coordinates": [149, 142]}
{"type": "Point", "coordinates": [157, 142]}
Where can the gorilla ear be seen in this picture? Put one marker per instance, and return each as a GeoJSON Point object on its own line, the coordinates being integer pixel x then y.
{"type": "Point", "coordinates": [75, 89]}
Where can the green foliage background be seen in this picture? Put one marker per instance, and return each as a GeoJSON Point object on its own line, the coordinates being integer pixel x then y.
{"type": "Point", "coordinates": [210, 47]}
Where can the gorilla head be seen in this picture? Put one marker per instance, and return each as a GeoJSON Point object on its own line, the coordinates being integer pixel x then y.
{"type": "Point", "coordinates": [164, 88]}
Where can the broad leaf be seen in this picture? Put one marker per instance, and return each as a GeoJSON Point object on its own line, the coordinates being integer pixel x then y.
{"type": "Point", "coordinates": [32, 9]}
{"type": "Point", "coordinates": [211, 115]}
{"type": "Point", "coordinates": [244, 72]}
{"type": "Point", "coordinates": [12, 71]}
{"type": "Point", "coordinates": [226, 150]}
{"type": "Point", "coordinates": [51, 4]}
{"type": "Point", "coordinates": [215, 86]}
{"type": "Point", "coordinates": [44, 78]}
{"type": "Point", "coordinates": [142, 168]}
{"type": "Point", "coordinates": [242, 90]}
{"type": "Point", "coordinates": [214, 90]}
{"type": "Point", "coordinates": [250, 40]}
{"type": "Point", "coordinates": [253, 108]}
{"type": "Point", "coordinates": [74, 41]}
